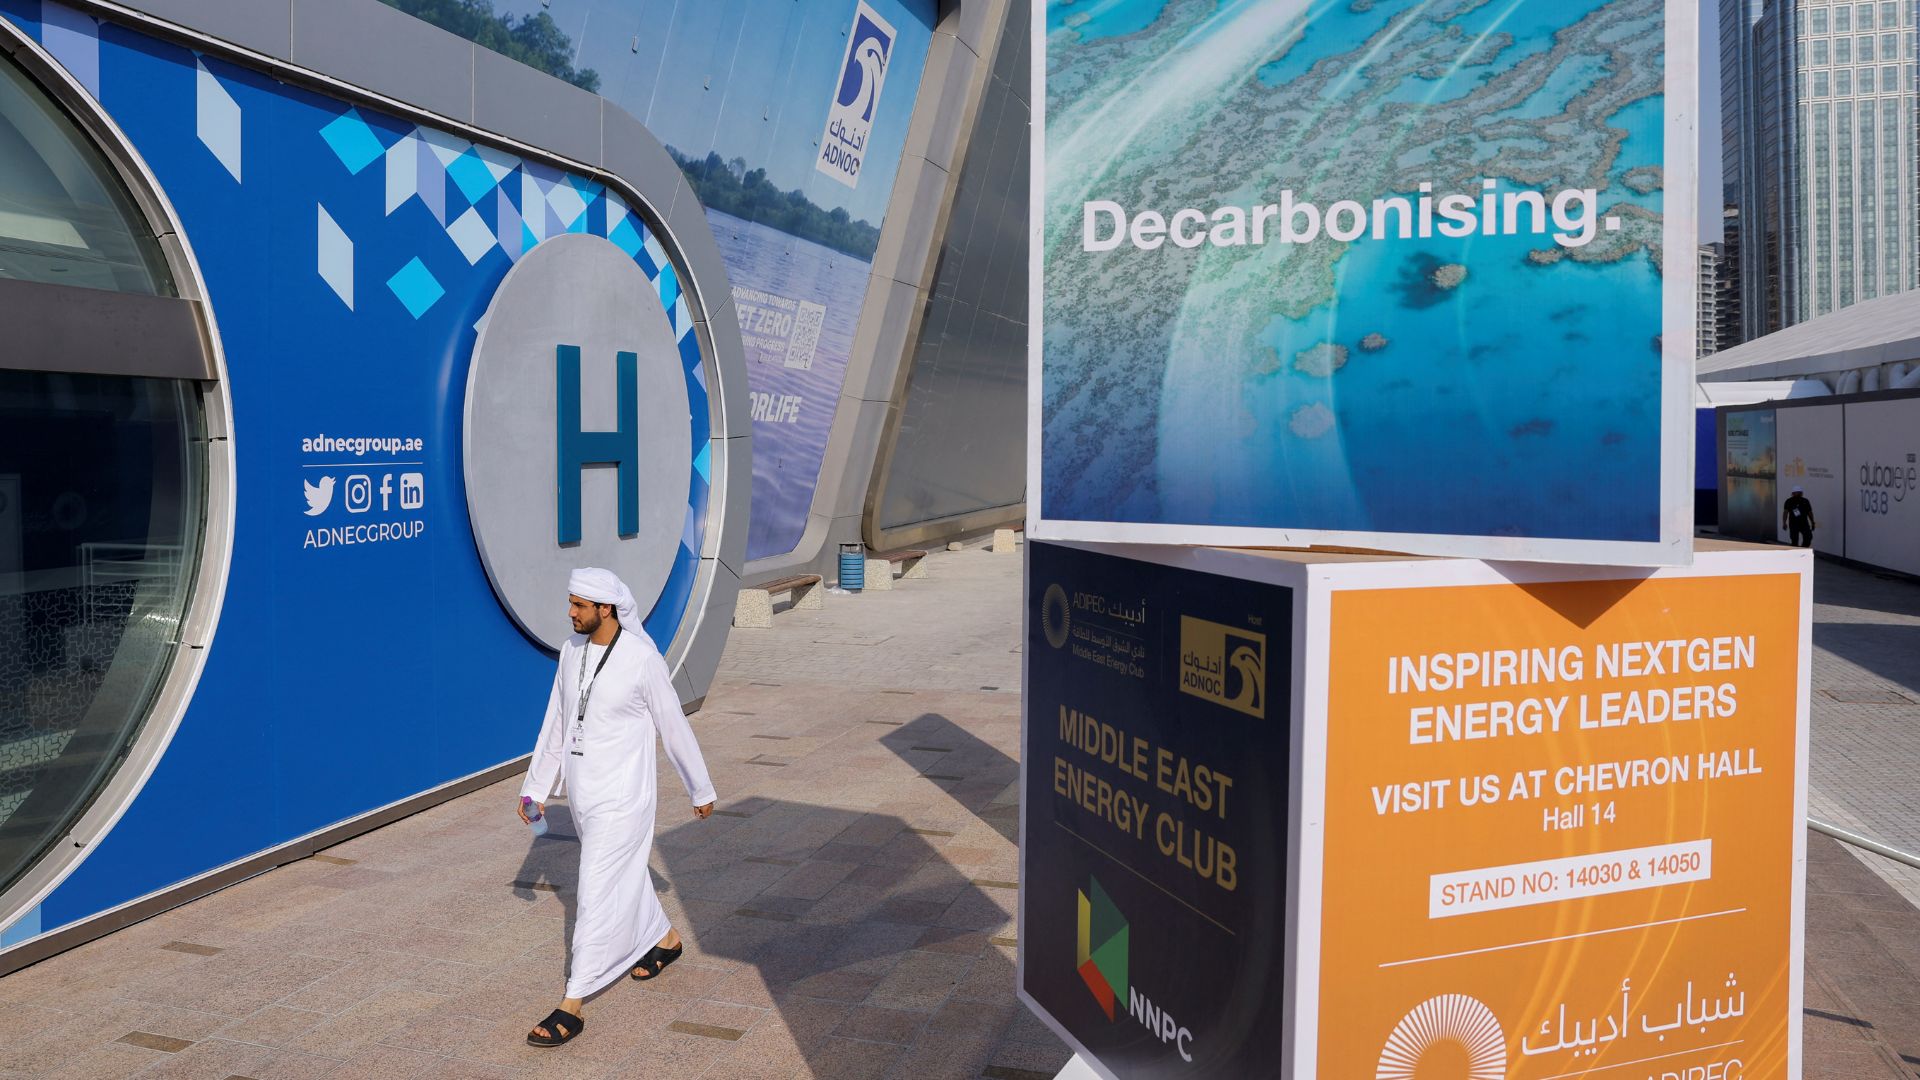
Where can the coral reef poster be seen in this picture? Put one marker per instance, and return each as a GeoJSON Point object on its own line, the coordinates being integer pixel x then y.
{"type": "Point", "coordinates": [1384, 273]}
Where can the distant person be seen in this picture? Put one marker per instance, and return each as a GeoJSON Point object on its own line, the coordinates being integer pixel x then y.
{"type": "Point", "coordinates": [611, 694]}
{"type": "Point", "coordinates": [1797, 518]}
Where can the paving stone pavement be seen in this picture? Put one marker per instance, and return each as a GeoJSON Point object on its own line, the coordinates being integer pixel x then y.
{"type": "Point", "coordinates": [849, 911]}
{"type": "Point", "coordinates": [1864, 771]}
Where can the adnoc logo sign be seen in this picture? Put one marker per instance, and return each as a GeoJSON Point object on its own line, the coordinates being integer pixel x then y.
{"type": "Point", "coordinates": [578, 431]}
{"type": "Point", "coordinates": [1224, 665]}
{"type": "Point", "coordinates": [863, 72]}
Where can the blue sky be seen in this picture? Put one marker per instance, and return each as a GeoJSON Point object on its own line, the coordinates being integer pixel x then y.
{"type": "Point", "coordinates": [748, 78]}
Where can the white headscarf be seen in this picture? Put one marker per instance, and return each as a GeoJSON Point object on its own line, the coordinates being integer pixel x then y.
{"type": "Point", "coordinates": [597, 586]}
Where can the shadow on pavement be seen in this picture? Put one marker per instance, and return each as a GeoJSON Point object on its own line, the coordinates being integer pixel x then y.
{"type": "Point", "coordinates": [877, 957]}
{"type": "Point", "coordinates": [1889, 650]}
{"type": "Point", "coordinates": [940, 748]}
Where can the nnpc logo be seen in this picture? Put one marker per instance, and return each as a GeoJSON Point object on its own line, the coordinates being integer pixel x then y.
{"type": "Point", "coordinates": [1100, 953]}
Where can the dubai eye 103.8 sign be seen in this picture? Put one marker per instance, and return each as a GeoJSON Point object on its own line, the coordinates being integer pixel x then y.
{"type": "Point", "coordinates": [1389, 274]}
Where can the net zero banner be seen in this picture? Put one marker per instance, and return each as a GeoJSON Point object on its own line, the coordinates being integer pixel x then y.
{"type": "Point", "coordinates": [1154, 813]}
{"type": "Point", "coordinates": [1388, 274]}
{"type": "Point", "coordinates": [1561, 824]}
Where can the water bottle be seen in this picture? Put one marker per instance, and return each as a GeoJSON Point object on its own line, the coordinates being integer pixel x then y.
{"type": "Point", "coordinates": [534, 817]}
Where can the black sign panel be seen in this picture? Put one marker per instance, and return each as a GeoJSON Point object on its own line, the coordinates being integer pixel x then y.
{"type": "Point", "coordinates": [1153, 865]}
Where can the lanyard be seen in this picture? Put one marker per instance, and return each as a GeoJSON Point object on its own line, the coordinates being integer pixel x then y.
{"type": "Point", "coordinates": [586, 687]}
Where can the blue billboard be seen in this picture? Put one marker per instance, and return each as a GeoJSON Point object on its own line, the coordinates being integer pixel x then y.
{"type": "Point", "coordinates": [1389, 275]}
{"type": "Point", "coordinates": [789, 119]}
{"type": "Point", "coordinates": [349, 260]}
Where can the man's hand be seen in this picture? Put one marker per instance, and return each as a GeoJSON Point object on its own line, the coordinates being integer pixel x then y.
{"type": "Point", "coordinates": [703, 811]}
{"type": "Point", "coordinates": [522, 809]}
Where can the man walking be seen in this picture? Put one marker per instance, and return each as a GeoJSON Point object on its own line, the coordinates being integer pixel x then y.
{"type": "Point", "coordinates": [611, 694]}
{"type": "Point", "coordinates": [1797, 518]}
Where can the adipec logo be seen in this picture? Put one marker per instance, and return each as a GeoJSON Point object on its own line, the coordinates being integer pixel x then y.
{"type": "Point", "coordinates": [1056, 616]}
{"type": "Point", "coordinates": [1452, 1035]}
{"type": "Point", "coordinates": [1100, 946]}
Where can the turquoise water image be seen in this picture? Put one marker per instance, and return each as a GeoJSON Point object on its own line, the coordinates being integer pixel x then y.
{"type": "Point", "coordinates": [1461, 389]}
{"type": "Point", "coordinates": [1502, 384]}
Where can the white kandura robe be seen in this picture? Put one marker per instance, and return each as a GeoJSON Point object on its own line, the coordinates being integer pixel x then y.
{"type": "Point", "coordinates": [611, 793]}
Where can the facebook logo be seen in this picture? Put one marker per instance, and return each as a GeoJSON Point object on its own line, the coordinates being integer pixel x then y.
{"type": "Point", "coordinates": [579, 449]}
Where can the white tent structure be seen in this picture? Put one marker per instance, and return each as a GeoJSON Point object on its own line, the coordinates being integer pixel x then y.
{"type": "Point", "coordinates": [1870, 346]}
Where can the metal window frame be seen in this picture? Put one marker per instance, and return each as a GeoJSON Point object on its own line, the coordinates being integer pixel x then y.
{"type": "Point", "coordinates": [124, 314]}
{"type": "Point", "coordinates": [261, 37]}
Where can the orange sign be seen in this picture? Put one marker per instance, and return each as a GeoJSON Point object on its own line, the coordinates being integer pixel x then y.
{"type": "Point", "coordinates": [1560, 831]}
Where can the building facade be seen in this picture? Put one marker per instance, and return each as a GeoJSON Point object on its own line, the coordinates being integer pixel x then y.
{"type": "Point", "coordinates": [1706, 327]}
{"type": "Point", "coordinates": [1730, 328]}
{"type": "Point", "coordinates": [1818, 150]}
{"type": "Point", "coordinates": [325, 240]}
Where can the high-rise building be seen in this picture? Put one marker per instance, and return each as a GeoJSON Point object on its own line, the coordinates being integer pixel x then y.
{"type": "Point", "coordinates": [1730, 328]}
{"type": "Point", "coordinates": [1707, 302]}
{"type": "Point", "coordinates": [1818, 149]}
{"type": "Point", "coordinates": [1757, 146]}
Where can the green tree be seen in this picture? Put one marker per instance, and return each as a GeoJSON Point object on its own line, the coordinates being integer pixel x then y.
{"type": "Point", "coordinates": [534, 40]}
{"type": "Point", "coordinates": [723, 185]}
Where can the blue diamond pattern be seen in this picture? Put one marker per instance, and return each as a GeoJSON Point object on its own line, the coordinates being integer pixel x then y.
{"type": "Point", "coordinates": [471, 176]}
{"type": "Point", "coordinates": [669, 285]}
{"type": "Point", "coordinates": [353, 142]}
{"type": "Point", "coordinates": [540, 202]}
{"type": "Point", "coordinates": [627, 238]}
{"type": "Point", "coordinates": [416, 287]}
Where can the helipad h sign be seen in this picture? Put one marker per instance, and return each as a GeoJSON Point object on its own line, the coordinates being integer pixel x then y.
{"type": "Point", "coordinates": [578, 437]}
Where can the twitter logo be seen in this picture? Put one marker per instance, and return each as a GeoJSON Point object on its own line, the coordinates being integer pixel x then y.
{"type": "Point", "coordinates": [319, 496]}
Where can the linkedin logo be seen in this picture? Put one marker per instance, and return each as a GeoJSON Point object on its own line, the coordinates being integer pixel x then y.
{"type": "Point", "coordinates": [578, 437]}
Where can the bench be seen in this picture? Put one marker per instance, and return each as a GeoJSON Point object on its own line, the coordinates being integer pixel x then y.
{"type": "Point", "coordinates": [880, 567]}
{"type": "Point", "coordinates": [753, 605]}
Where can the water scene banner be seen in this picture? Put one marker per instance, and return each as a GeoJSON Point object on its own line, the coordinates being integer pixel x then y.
{"type": "Point", "coordinates": [789, 120]}
{"type": "Point", "coordinates": [1387, 273]}
{"type": "Point", "coordinates": [1752, 457]}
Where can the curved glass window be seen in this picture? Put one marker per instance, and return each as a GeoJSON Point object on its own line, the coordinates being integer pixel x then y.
{"type": "Point", "coordinates": [101, 507]}
{"type": "Point", "coordinates": [65, 218]}
{"type": "Point", "coordinates": [102, 486]}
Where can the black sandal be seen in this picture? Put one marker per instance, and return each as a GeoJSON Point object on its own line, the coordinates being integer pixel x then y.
{"type": "Point", "coordinates": [558, 1020]}
{"type": "Point", "coordinates": [656, 961]}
